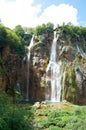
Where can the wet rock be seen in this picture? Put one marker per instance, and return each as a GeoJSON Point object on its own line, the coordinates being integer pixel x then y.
{"type": "Point", "coordinates": [37, 104]}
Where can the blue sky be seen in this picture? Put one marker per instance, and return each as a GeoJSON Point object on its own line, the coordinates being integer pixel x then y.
{"type": "Point", "coordinates": [31, 13]}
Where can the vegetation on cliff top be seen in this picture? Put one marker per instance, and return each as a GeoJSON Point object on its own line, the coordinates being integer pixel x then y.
{"type": "Point", "coordinates": [8, 37]}
{"type": "Point", "coordinates": [20, 36]}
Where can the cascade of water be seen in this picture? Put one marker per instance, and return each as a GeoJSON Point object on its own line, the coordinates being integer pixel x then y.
{"type": "Point", "coordinates": [53, 75]}
{"type": "Point", "coordinates": [81, 51]}
{"type": "Point", "coordinates": [28, 62]}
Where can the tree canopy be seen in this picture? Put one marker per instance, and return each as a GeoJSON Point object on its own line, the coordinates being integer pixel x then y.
{"type": "Point", "coordinates": [44, 28]}
{"type": "Point", "coordinates": [9, 37]}
{"type": "Point", "coordinates": [20, 36]}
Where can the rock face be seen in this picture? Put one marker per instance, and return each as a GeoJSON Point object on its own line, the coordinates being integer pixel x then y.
{"type": "Point", "coordinates": [73, 71]}
{"type": "Point", "coordinates": [13, 70]}
{"type": "Point", "coordinates": [39, 60]}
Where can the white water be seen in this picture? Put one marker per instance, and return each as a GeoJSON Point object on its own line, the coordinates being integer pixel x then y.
{"type": "Point", "coordinates": [81, 51]}
{"type": "Point", "coordinates": [53, 76]}
{"type": "Point", "coordinates": [28, 62]}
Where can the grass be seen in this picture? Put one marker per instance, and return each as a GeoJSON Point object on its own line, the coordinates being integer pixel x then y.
{"type": "Point", "coordinates": [60, 117]}
{"type": "Point", "coordinates": [25, 116]}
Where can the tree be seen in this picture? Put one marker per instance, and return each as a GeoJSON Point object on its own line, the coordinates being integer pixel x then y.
{"type": "Point", "coordinates": [49, 27]}
{"type": "Point", "coordinates": [2, 34]}
{"type": "Point", "coordinates": [19, 30]}
{"type": "Point", "coordinates": [44, 28]}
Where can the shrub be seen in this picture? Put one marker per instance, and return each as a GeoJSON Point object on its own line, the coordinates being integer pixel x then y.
{"type": "Point", "coordinates": [13, 118]}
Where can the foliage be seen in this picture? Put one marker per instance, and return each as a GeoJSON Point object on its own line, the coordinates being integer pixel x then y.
{"type": "Point", "coordinates": [44, 29]}
{"type": "Point", "coordinates": [13, 117]}
{"type": "Point", "coordinates": [13, 40]}
{"type": "Point", "coordinates": [78, 119]}
{"type": "Point", "coordinates": [19, 30]}
{"type": "Point", "coordinates": [2, 34]}
{"type": "Point", "coordinates": [69, 83]}
{"type": "Point", "coordinates": [29, 30]}
{"type": "Point", "coordinates": [62, 119]}
{"type": "Point", "coordinates": [49, 116]}
{"type": "Point", "coordinates": [4, 99]}
{"type": "Point", "coordinates": [8, 37]}
{"type": "Point", "coordinates": [23, 34]}
{"type": "Point", "coordinates": [75, 33]}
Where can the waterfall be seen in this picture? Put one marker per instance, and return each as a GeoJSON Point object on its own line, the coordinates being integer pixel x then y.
{"type": "Point", "coordinates": [81, 51]}
{"type": "Point", "coordinates": [53, 75]}
{"type": "Point", "coordinates": [28, 62]}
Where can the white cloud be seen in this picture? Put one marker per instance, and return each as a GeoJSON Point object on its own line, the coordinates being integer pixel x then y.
{"type": "Point", "coordinates": [18, 12]}
{"type": "Point", "coordinates": [59, 14]}
{"type": "Point", "coordinates": [25, 13]}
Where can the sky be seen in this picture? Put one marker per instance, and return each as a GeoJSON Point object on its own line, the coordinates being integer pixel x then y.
{"type": "Point", "coordinates": [30, 13]}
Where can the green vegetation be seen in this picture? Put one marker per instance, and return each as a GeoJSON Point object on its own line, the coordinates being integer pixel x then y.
{"type": "Point", "coordinates": [9, 38]}
{"type": "Point", "coordinates": [23, 35]}
{"type": "Point", "coordinates": [24, 116]}
{"type": "Point", "coordinates": [69, 82]}
{"type": "Point", "coordinates": [19, 30]}
{"type": "Point", "coordinates": [2, 34]}
{"type": "Point", "coordinates": [20, 36]}
{"type": "Point", "coordinates": [72, 30]}
{"type": "Point", "coordinates": [54, 117]}
{"type": "Point", "coordinates": [16, 115]}
{"type": "Point", "coordinates": [12, 116]}
{"type": "Point", "coordinates": [73, 34]}
{"type": "Point", "coordinates": [44, 29]}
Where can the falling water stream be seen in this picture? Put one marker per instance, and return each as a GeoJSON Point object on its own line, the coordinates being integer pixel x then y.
{"type": "Point", "coordinates": [28, 62]}
{"type": "Point", "coordinates": [82, 53]}
{"type": "Point", "coordinates": [53, 75]}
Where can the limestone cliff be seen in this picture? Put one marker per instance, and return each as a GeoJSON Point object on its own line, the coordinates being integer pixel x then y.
{"type": "Point", "coordinates": [13, 68]}
{"type": "Point", "coordinates": [73, 69]}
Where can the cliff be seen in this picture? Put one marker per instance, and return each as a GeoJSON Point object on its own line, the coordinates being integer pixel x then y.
{"type": "Point", "coordinates": [71, 51]}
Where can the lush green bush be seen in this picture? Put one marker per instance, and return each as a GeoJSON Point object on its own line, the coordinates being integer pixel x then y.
{"type": "Point", "coordinates": [77, 120]}
{"type": "Point", "coordinates": [44, 29]}
{"type": "Point", "coordinates": [13, 118]}
{"type": "Point", "coordinates": [23, 117]}
{"type": "Point", "coordinates": [9, 37]}
{"type": "Point", "coordinates": [19, 30]}
{"type": "Point", "coordinates": [63, 119]}
{"type": "Point", "coordinates": [2, 34]}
